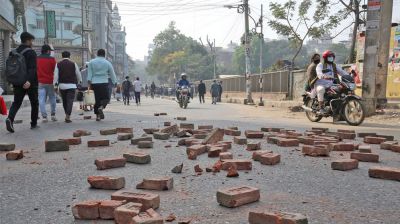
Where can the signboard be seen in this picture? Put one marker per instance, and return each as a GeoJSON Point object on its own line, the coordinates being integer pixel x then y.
{"type": "Point", "coordinates": [87, 22]}
{"type": "Point", "coordinates": [372, 25]}
{"type": "Point", "coordinates": [51, 24]}
{"type": "Point", "coordinates": [374, 5]}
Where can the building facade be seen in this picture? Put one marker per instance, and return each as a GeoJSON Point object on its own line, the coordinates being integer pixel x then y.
{"type": "Point", "coordinates": [119, 37]}
{"type": "Point", "coordinates": [7, 28]}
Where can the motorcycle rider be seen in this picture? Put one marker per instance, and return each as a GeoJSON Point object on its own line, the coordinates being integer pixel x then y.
{"type": "Point", "coordinates": [181, 83]}
{"type": "Point", "coordinates": [327, 72]}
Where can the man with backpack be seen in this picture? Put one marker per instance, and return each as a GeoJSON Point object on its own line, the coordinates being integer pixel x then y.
{"type": "Point", "coordinates": [126, 90]}
{"type": "Point", "coordinates": [21, 73]}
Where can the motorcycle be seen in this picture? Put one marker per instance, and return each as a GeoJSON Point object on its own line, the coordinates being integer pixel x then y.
{"type": "Point", "coordinates": [183, 97]}
{"type": "Point", "coordinates": [341, 103]}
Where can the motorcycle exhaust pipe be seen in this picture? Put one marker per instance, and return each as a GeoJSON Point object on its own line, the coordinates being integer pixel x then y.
{"type": "Point", "coordinates": [306, 108]}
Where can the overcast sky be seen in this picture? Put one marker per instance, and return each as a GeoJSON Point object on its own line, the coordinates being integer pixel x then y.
{"type": "Point", "coordinates": [144, 19]}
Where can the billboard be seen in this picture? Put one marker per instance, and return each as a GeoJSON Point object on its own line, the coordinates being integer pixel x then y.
{"type": "Point", "coordinates": [393, 85]}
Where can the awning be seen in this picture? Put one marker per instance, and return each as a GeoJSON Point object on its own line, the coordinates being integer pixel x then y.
{"type": "Point", "coordinates": [5, 25]}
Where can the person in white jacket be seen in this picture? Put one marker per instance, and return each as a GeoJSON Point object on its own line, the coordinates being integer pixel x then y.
{"type": "Point", "coordinates": [137, 87]}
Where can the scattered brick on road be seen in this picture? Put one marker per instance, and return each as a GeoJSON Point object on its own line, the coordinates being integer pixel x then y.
{"type": "Point", "coordinates": [395, 148]}
{"type": "Point", "coordinates": [346, 131]}
{"type": "Point", "coordinates": [388, 144]}
{"type": "Point", "coordinates": [124, 213]}
{"type": "Point", "coordinates": [232, 132]}
{"type": "Point", "coordinates": [167, 123]}
{"type": "Point", "coordinates": [150, 131]}
{"type": "Point", "coordinates": [111, 131]}
{"type": "Point", "coordinates": [107, 208]}
{"type": "Point", "coordinates": [177, 169]}
{"type": "Point", "coordinates": [283, 142]}
{"type": "Point", "coordinates": [205, 127]}
{"type": "Point", "coordinates": [237, 196]}
{"type": "Point", "coordinates": [15, 155]}
{"type": "Point", "coordinates": [87, 117]}
{"type": "Point", "coordinates": [346, 135]}
{"type": "Point", "coordinates": [341, 147]}
{"type": "Point", "coordinates": [148, 217]}
{"type": "Point", "coordinates": [148, 200]}
{"type": "Point", "coordinates": [181, 118]}
{"type": "Point", "coordinates": [319, 129]}
{"type": "Point", "coordinates": [103, 164]}
{"type": "Point", "coordinates": [365, 157]}
{"type": "Point", "coordinates": [145, 144]}
{"type": "Point", "coordinates": [88, 210]}
{"type": "Point", "coordinates": [192, 155]}
{"type": "Point", "coordinates": [98, 143]}
{"type": "Point", "coordinates": [161, 136]}
{"type": "Point", "coordinates": [315, 151]}
{"type": "Point", "coordinates": [137, 157]}
{"type": "Point", "coordinates": [364, 148]}
{"type": "Point", "coordinates": [72, 141]}
{"type": "Point", "coordinates": [158, 184]}
{"type": "Point", "coordinates": [256, 217]}
{"type": "Point", "coordinates": [56, 146]}
{"type": "Point", "coordinates": [253, 146]}
{"type": "Point", "coordinates": [241, 164]}
{"type": "Point", "coordinates": [7, 147]}
{"type": "Point", "coordinates": [215, 151]}
{"type": "Point", "coordinates": [232, 172]}
{"type": "Point", "coordinates": [344, 164]}
{"type": "Point", "coordinates": [270, 158]}
{"type": "Point", "coordinates": [387, 173]}
{"type": "Point", "coordinates": [374, 140]}
{"type": "Point", "coordinates": [106, 182]}
{"type": "Point", "coordinates": [135, 141]}
{"type": "Point", "coordinates": [125, 130]}
{"type": "Point", "coordinates": [196, 149]}
{"type": "Point", "coordinates": [200, 136]}
{"type": "Point", "coordinates": [163, 114]}
{"type": "Point", "coordinates": [387, 137]}
{"type": "Point", "coordinates": [170, 130]}
{"type": "Point", "coordinates": [215, 136]}
{"type": "Point", "coordinates": [306, 140]}
{"type": "Point", "coordinates": [225, 155]}
{"type": "Point", "coordinates": [197, 169]}
{"type": "Point", "coordinates": [365, 134]}
{"type": "Point", "coordinates": [240, 140]}
{"type": "Point", "coordinates": [254, 134]}
{"type": "Point", "coordinates": [187, 126]}
{"type": "Point", "coordinates": [256, 155]}
{"type": "Point", "coordinates": [125, 136]}
{"type": "Point", "coordinates": [80, 133]}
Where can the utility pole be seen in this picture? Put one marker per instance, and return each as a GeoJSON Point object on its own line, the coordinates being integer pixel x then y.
{"type": "Point", "coordinates": [377, 40]}
{"type": "Point", "coordinates": [46, 36]}
{"type": "Point", "coordinates": [249, 99]}
{"type": "Point", "coordinates": [215, 61]}
{"type": "Point", "coordinates": [261, 103]}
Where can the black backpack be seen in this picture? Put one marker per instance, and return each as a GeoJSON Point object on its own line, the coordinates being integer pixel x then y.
{"type": "Point", "coordinates": [16, 71]}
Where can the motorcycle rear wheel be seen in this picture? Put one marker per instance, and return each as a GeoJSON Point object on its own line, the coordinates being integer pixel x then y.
{"type": "Point", "coordinates": [354, 112]}
{"type": "Point", "coordinates": [313, 117]}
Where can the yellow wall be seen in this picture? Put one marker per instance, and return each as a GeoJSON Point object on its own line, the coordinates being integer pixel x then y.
{"type": "Point", "coordinates": [393, 79]}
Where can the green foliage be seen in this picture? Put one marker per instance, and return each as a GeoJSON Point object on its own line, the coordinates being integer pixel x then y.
{"type": "Point", "coordinates": [177, 53]}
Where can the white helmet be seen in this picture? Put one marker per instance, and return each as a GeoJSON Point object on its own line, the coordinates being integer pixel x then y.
{"type": "Point", "coordinates": [183, 75]}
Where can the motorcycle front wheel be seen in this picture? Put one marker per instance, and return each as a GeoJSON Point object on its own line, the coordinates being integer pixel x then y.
{"type": "Point", "coordinates": [354, 112]}
{"type": "Point", "coordinates": [313, 117]}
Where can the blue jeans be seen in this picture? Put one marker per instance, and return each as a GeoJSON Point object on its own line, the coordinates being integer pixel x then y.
{"type": "Point", "coordinates": [47, 90]}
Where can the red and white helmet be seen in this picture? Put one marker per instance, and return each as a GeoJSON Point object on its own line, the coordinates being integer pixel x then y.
{"type": "Point", "coordinates": [327, 54]}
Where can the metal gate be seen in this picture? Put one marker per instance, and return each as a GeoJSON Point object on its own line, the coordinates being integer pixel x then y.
{"type": "Point", "coordinates": [2, 65]}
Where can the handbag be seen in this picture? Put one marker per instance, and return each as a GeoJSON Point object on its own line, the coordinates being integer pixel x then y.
{"type": "Point", "coordinates": [3, 107]}
{"type": "Point", "coordinates": [89, 97]}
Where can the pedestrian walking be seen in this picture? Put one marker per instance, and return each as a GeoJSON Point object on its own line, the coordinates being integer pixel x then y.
{"type": "Point", "coordinates": [45, 72]}
{"type": "Point", "coordinates": [201, 90]}
{"type": "Point", "coordinates": [99, 70]}
{"type": "Point", "coordinates": [67, 77]}
{"type": "Point", "coordinates": [118, 94]}
{"type": "Point", "coordinates": [82, 88]}
{"type": "Point", "coordinates": [214, 92]}
{"type": "Point", "coordinates": [137, 85]}
{"type": "Point", "coordinates": [21, 73]}
{"type": "Point", "coordinates": [219, 91]}
{"type": "Point", "coordinates": [126, 90]}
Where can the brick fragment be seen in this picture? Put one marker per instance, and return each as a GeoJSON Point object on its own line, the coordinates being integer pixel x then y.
{"type": "Point", "coordinates": [170, 130]}
{"type": "Point", "coordinates": [346, 131]}
{"type": "Point", "coordinates": [374, 140]}
{"type": "Point", "coordinates": [365, 157]}
{"type": "Point", "coordinates": [240, 140]}
{"type": "Point", "coordinates": [181, 118]}
{"type": "Point", "coordinates": [288, 142]}
{"type": "Point", "coordinates": [215, 152]}
{"type": "Point", "coordinates": [145, 144]}
{"type": "Point", "coordinates": [7, 147]}
{"type": "Point", "coordinates": [161, 136]}
{"type": "Point", "coordinates": [256, 155]}
{"type": "Point", "coordinates": [232, 172]}
{"type": "Point", "coordinates": [320, 129]}
{"type": "Point", "coordinates": [215, 136]}
{"type": "Point", "coordinates": [124, 213]}
{"type": "Point", "coordinates": [200, 136]}
{"type": "Point", "coordinates": [325, 142]}
{"type": "Point", "coordinates": [197, 169]}
{"type": "Point", "coordinates": [157, 183]}
{"type": "Point", "coordinates": [148, 200]}
{"type": "Point", "coordinates": [388, 144]}
{"type": "Point", "coordinates": [306, 140]}
{"type": "Point", "coordinates": [276, 218]}
{"type": "Point", "coordinates": [72, 141]}
{"type": "Point", "coordinates": [225, 155]}
{"type": "Point", "coordinates": [253, 146]}
{"type": "Point", "coordinates": [196, 149]}
{"type": "Point", "coordinates": [98, 143]}
{"type": "Point", "coordinates": [232, 132]}
{"type": "Point", "coordinates": [156, 114]}
{"type": "Point", "coordinates": [55, 146]}
{"type": "Point", "coordinates": [315, 151]}
{"type": "Point", "coordinates": [387, 137]}
{"type": "Point", "coordinates": [395, 148]}
{"type": "Point", "coordinates": [192, 155]}
{"type": "Point", "coordinates": [364, 148]}
{"type": "Point", "coordinates": [137, 157]}
{"type": "Point", "coordinates": [125, 130]}
{"type": "Point", "coordinates": [107, 208]}
{"type": "Point", "coordinates": [167, 123]}
{"type": "Point", "coordinates": [217, 166]}
{"type": "Point", "coordinates": [270, 158]}
{"type": "Point", "coordinates": [103, 164]}
{"type": "Point", "coordinates": [187, 125]}
{"type": "Point", "coordinates": [387, 173]}
{"type": "Point", "coordinates": [163, 114]}
{"type": "Point", "coordinates": [272, 139]}
{"type": "Point", "coordinates": [237, 196]}
{"type": "Point", "coordinates": [241, 164]}
{"type": "Point", "coordinates": [106, 182]}
{"type": "Point", "coordinates": [344, 164]}
{"type": "Point", "coordinates": [341, 147]}
{"type": "Point", "coordinates": [80, 133]}
{"type": "Point", "coordinates": [233, 128]}
{"type": "Point", "coordinates": [135, 141]}
{"type": "Point", "coordinates": [111, 131]}
{"type": "Point", "coordinates": [347, 135]}
{"type": "Point", "coordinates": [150, 131]}
{"type": "Point", "coordinates": [177, 169]}
{"type": "Point", "coordinates": [87, 117]}
{"type": "Point", "coordinates": [254, 134]}
{"type": "Point", "coordinates": [15, 155]}
{"type": "Point", "coordinates": [148, 217]}
{"type": "Point", "coordinates": [365, 134]}
{"type": "Point", "coordinates": [202, 127]}
{"type": "Point", "coordinates": [125, 136]}
{"type": "Point", "coordinates": [88, 210]}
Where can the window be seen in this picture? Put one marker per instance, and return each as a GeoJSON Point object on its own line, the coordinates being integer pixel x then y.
{"type": "Point", "coordinates": [40, 24]}
{"type": "Point", "coordinates": [58, 24]}
{"type": "Point", "coordinates": [67, 25]}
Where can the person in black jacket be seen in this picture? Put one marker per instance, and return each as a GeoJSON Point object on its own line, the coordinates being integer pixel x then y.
{"type": "Point", "coordinates": [202, 90]}
{"type": "Point", "coordinates": [30, 87]}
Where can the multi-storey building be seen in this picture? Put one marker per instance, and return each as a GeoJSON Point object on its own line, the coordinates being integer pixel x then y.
{"type": "Point", "coordinates": [119, 36]}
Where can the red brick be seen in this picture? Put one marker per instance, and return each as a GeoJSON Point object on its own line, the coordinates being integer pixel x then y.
{"type": "Point", "coordinates": [325, 142]}
{"type": "Point", "coordinates": [163, 114]}
{"type": "Point", "coordinates": [320, 129]}
{"type": "Point", "coordinates": [374, 140]}
{"type": "Point", "coordinates": [387, 137]}
{"type": "Point", "coordinates": [181, 118]}
{"type": "Point", "coordinates": [365, 157]}
{"type": "Point", "coordinates": [161, 136]}
{"type": "Point", "coordinates": [87, 117]}
{"type": "Point", "coordinates": [231, 132]}
{"type": "Point", "coordinates": [80, 133]}
{"type": "Point", "coordinates": [364, 148]}
{"type": "Point", "coordinates": [232, 172]}
{"type": "Point", "coordinates": [177, 169]}
{"type": "Point", "coordinates": [98, 143]}
{"type": "Point", "coordinates": [145, 144]}
{"type": "Point", "coordinates": [106, 182]}
{"type": "Point", "coordinates": [270, 158]}
{"type": "Point", "coordinates": [186, 126]}
{"type": "Point", "coordinates": [112, 131]}
{"type": "Point", "coordinates": [148, 217]}
{"type": "Point", "coordinates": [88, 210]}
{"type": "Point", "coordinates": [125, 130]}
{"type": "Point", "coordinates": [55, 146]}
{"type": "Point", "coordinates": [110, 163]}
{"type": "Point", "coordinates": [225, 155]}
{"type": "Point", "coordinates": [386, 145]}
{"type": "Point", "coordinates": [148, 200]}
{"type": "Point", "coordinates": [256, 155]}
{"type": "Point", "coordinates": [150, 131]}
{"type": "Point", "coordinates": [287, 142]}
{"type": "Point", "coordinates": [196, 149]}
{"type": "Point", "coordinates": [215, 151]}
{"type": "Point", "coordinates": [253, 146]}
{"type": "Point", "coordinates": [395, 148]}
{"type": "Point", "coordinates": [273, 139]}
{"type": "Point", "coordinates": [341, 147]}
{"type": "Point", "coordinates": [254, 134]}
{"type": "Point", "coordinates": [72, 141]}
{"type": "Point", "coordinates": [276, 218]}
{"type": "Point", "coordinates": [315, 151]}
{"type": "Point", "coordinates": [200, 136]}
{"type": "Point", "coordinates": [387, 173]}
{"type": "Point", "coordinates": [237, 196]}
{"type": "Point", "coordinates": [365, 134]}
{"type": "Point", "coordinates": [241, 164]}
{"type": "Point", "coordinates": [215, 136]}
{"type": "Point", "coordinates": [137, 157]}
{"type": "Point", "coordinates": [217, 166]}
{"type": "Point", "coordinates": [107, 207]}
{"type": "Point", "coordinates": [125, 136]}
{"type": "Point", "coordinates": [156, 114]}
{"type": "Point", "coordinates": [167, 123]}
{"type": "Point", "coordinates": [124, 213]}
{"type": "Point", "coordinates": [240, 140]}
{"type": "Point", "coordinates": [135, 141]}
{"type": "Point", "coordinates": [344, 164]}
{"type": "Point", "coordinates": [158, 184]}
{"type": "Point", "coordinates": [170, 130]}
{"type": "Point", "coordinates": [346, 131]}
{"type": "Point", "coordinates": [202, 127]}
{"type": "Point", "coordinates": [197, 169]}
{"type": "Point", "coordinates": [15, 155]}
{"type": "Point", "coordinates": [306, 140]}
{"type": "Point", "coordinates": [346, 135]}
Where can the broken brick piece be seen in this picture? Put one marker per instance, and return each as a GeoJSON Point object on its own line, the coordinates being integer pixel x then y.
{"type": "Point", "coordinates": [241, 164]}
{"type": "Point", "coordinates": [346, 135]}
{"type": "Point", "coordinates": [125, 136]}
{"type": "Point", "coordinates": [148, 217]}
{"type": "Point", "coordinates": [253, 146]}
{"type": "Point", "coordinates": [395, 148]}
{"type": "Point", "coordinates": [125, 130]}
{"type": "Point", "coordinates": [135, 141]}
{"type": "Point", "coordinates": [98, 143]}
{"type": "Point", "coordinates": [15, 155]}
{"type": "Point", "coordinates": [106, 182]}
{"type": "Point", "coordinates": [124, 213]}
{"type": "Point", "coordinates": [197, 169]}
{"type": "Point", "coordinates": [387, 173]}
{"type": "Point", "coordinates": [315, 151]}
{"type": "Point", "coordinates": [374, 140]}
{"type": "Point", "coordinates": [56, 146]}
{"type": "Point", "coordinates": [232, 172]}
{"type": "Point", "coordinates": [158, 184]}
{"type": "Point", "coordinates": [257, 154]}
{"type": "Point", "coordinates": [170, 130]}
{"type": "Point", "coordinates": [80, 133]}
{"type": "Point", "coordinates": [200, 136]}
{"type": "Point", "coordinates": [365, 157]}
{"type": "Point", "coordinates": [240, 140]}
{"type": "Point", "coordinates": [192, 155]}
{"type": "Point", "coordinates": [365, 134]}
{"type": "Point", "coordinates": [161, 136]}
{"type": "Point", "coordinates": [111, 131]}
{"type": "Point", "coordinates": [276, 218]}
{"type": "Point", "coordinates": [344, 164]}
{"type": "Point", "coordinates": [387, 145]}
{"type": "Point", "coordinates": [181, 118]}
{"type": "Point", "coordinates": [270, 158]}
{"type": "Point", "coordinates": [215, 151]}
{"type": "Point", "coordinates": [225, 155]}
{"type": "Point", "coordinates": [107, 208]}
{"type": "Point", "coordinates": [196, 149]}
{"type": "Point", "coordinates": [72, 141]}
{"type": "Point", "coordinates": [207, 127]}
{"type": "Point", "coordinates": [387, 137]}
{"type": "Point", "coordinates": [103, 164]}
{"type": "Point", "coordinates": [215, 136]}
{"type": "Point", "coordinates": [148, 200]}
{"type": "Point", "coordinates": [88, 210]}
{"type": "Point", "coordinates": [254, 134]}
{"type": "Point", "coordinates": [232, 132]}
{"type": "Point", "coordinates": [150, 131]}
{"type": "Point", "coordinates": [145, 144]}
{"type": "Point", "coordinates": [137, 157]}
{"type": "Point", "coordinates": [187, 126]}
{"type": "Point", "coordinates": [167, 123]}
{"type": "Point", "coordinates": [341, 147]}
{"type": "Point", "coordinates": [7, 147]}
{"type": "Point", "coordinates": [177, 169]}
{"type": "Point", "coordinates": [237, 196]}
{"type": "Point", "coordinates": [288, 142]}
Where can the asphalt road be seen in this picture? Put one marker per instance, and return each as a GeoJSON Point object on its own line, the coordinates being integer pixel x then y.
{"type": "Point", "coordinates": [42, 187]}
